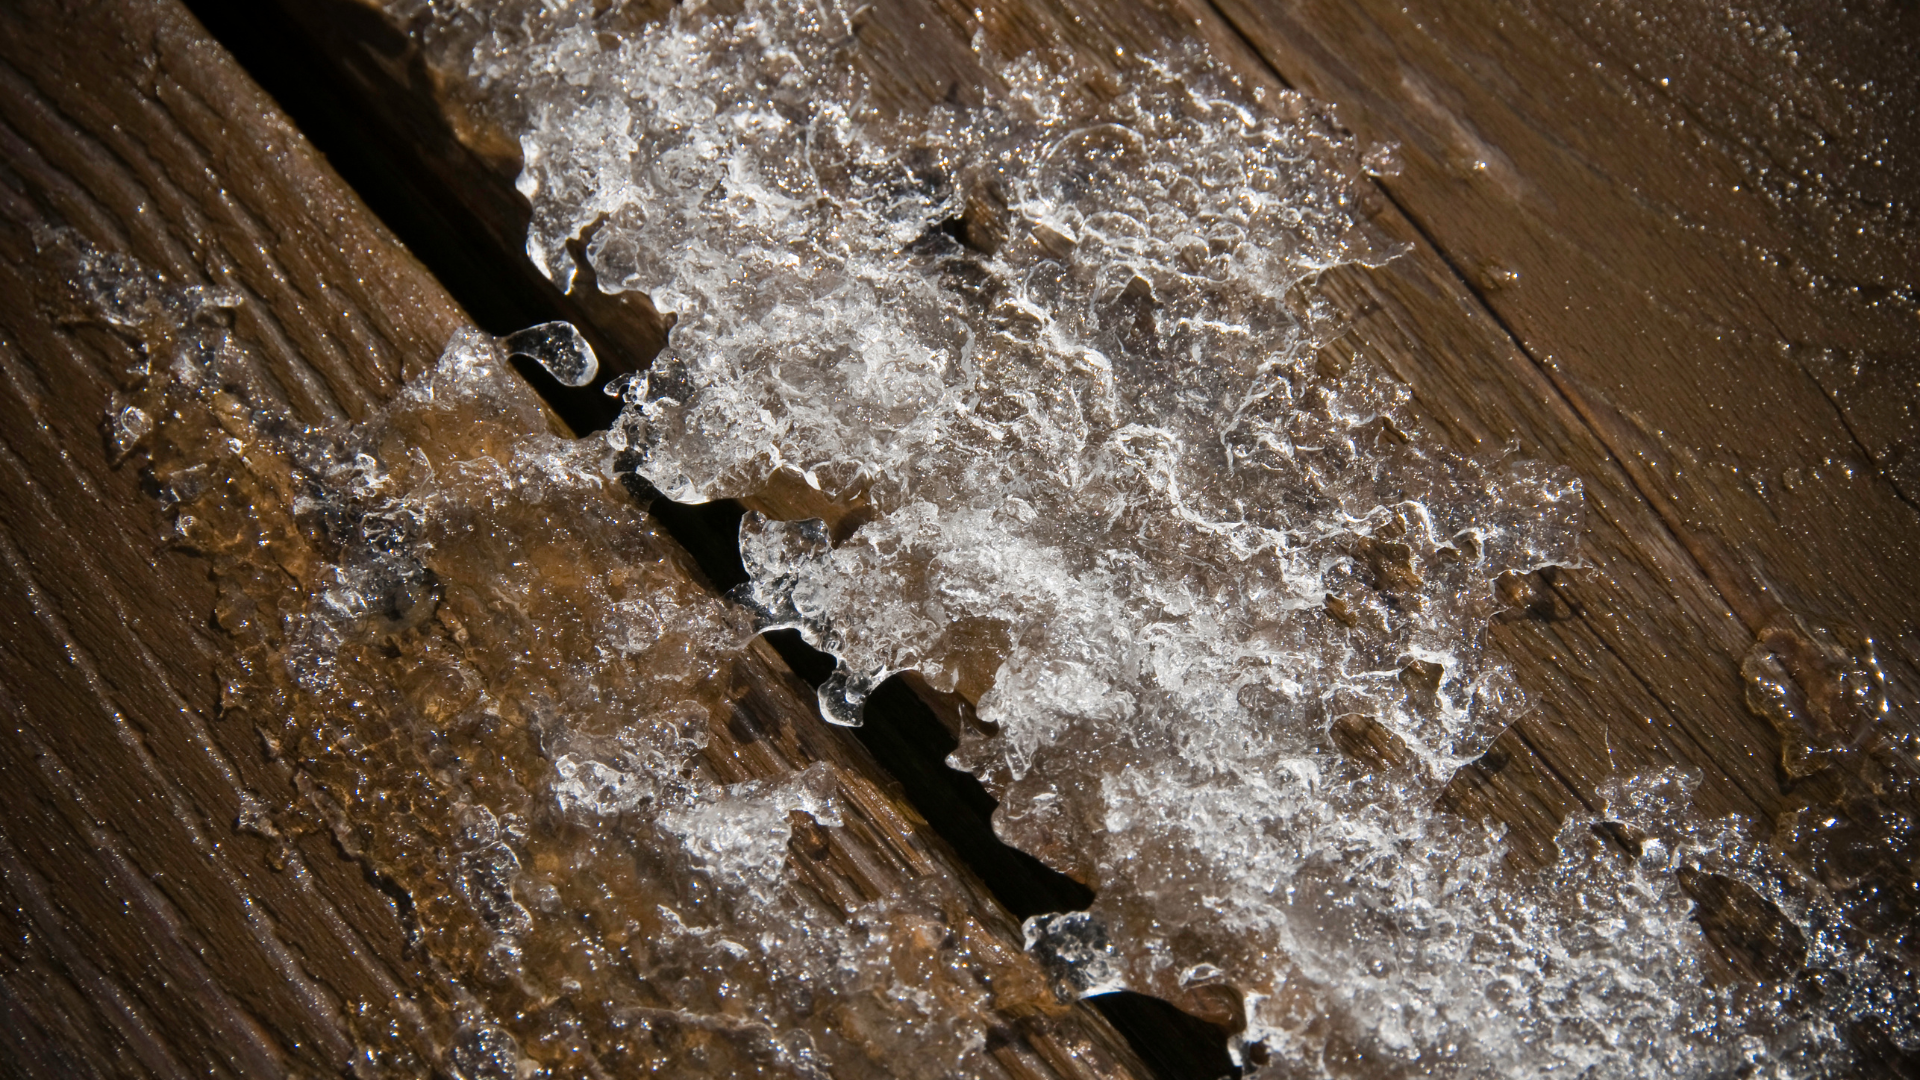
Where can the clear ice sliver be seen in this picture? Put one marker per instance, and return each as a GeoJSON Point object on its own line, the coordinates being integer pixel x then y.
{"type": "Point", "coordinates": [558, 347]}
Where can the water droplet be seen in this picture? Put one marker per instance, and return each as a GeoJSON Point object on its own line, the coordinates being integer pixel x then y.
{"type": "Point", "coordinates": [841, 700]}
{"type": "Point", "coordinates": [1383, 159]}
{"type": "Point", "coordinates": [1820, 687]}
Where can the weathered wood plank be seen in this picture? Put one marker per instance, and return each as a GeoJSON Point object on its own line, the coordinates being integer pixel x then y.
{"type": "Point", "coordinates": [1607, 271]}
{"type": "Point", "coordinates": [126, 878]}
{"type": "Point", "coordinates": [151, 934]}
{"type": "Point", "coordinates": [1669, 290]}
{"type": "Point", "coordinates": [1586, 281]}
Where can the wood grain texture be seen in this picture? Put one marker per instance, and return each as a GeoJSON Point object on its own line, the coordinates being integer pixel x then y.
{"type": "Point", "coordinates": [1644, 247]}
{"type": "Point", "coordinates": [1594, 190]}
{"type": "Point", "coordinates": [1653, 248]}
{"type": "Point", "coordinates": [148, 933]}
{"type": "Point", "coordinates": [148, 937]}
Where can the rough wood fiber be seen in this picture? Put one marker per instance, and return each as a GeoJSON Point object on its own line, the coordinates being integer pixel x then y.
{"type": "Point", "coordinates": [1586, 282]}
{"type": "Point", "coordinates": [149, 935]}
{"type": "Point", "coordinates": [1628, 255]}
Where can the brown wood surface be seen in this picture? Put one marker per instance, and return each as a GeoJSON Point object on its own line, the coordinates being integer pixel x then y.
{"type": "Point", "coordinates": [1647, 247]}
{"type": "Point", "coordinates": [1642, 246]}
{"type": "Point", "coordinates": [146, 935]}
{"type": "Point", "coordinates": [1670, 250]}
{"type": "Point", "coordinates": [149, 932]}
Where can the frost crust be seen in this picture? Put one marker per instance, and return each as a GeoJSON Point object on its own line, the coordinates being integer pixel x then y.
{"type": "Point", "coordinates": [1066, 372]}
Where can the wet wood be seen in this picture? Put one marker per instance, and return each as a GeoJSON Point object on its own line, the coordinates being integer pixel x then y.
{"type": "Point", "coordinates": [146, 935]}
{"type": "Point", "coordinates": [1620, 261]}
{"type": "Point", "coordinates": [1625, 259]}
{"type": "Point", "coordinates": [1608, 271]}
{"type": "Point", "coordinates": [158, 924]}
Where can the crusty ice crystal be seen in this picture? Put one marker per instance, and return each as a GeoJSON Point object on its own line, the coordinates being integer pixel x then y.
{"type": "Point", "coordinates": [1061, 364]}
{"type": "Point", "coordinates": [1062, 367]}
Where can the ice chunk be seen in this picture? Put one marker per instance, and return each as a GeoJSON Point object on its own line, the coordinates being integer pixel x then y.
{"type": "Point", "coordinates": [558, 347]}
{"type": "Point", "coordinates": [1074, 949]}
{"type": "Point", "coordinates": [1820, 687]}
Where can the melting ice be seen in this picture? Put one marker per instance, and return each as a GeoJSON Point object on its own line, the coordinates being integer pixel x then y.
{"type": "Point", "coordinates": [1063, 359]}
{"type": "Point", "coordinates": [491, 683]}
{"type": "Point", "coordinates": [1061, 365]}
{"type": "Point", "coordinates": [1060, 361]}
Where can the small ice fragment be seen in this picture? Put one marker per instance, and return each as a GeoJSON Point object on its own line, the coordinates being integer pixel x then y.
{"type": "Point", "coordinates": [1075, 950]}
{"type": "Point", "coordinates": [1382, 159]}
{"type": "Point", "coordinates": [1820, 687]}
{"type": "Point", "coordinates": [841, 701]}
{"type": "Point", "coordinates": [1201, 975]}
{"type": "Point", "coordinates": [128, 425]}
{"type": "Point", "coordinates": [559, 348]}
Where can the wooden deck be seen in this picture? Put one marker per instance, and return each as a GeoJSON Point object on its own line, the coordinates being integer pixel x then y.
{"type": "Point", "coordinates": [1655, 249]}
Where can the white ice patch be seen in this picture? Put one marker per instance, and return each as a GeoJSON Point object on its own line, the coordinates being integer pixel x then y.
{"type": "Point", "coordinates": [740, 834]}
{"type": "Point", "coordinates": [1107, 453]}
